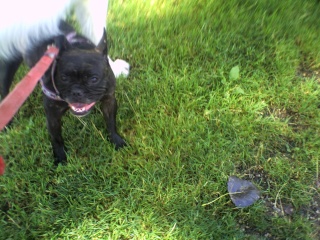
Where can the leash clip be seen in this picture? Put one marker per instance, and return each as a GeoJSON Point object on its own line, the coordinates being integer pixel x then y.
{"type": "Point", "coordinates": [50, 55]}
{"type": "Point", "coordinates": [52, 51]}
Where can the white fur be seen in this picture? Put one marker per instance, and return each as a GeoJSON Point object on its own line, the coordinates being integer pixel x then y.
{"type": "Point", "coordinates": [23, 23]}
{"type": "Point", "coordinates": [119, 67]}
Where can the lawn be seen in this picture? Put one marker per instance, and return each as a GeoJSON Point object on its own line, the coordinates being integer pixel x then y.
{"type": "Point", "coordinates": [191, 121]}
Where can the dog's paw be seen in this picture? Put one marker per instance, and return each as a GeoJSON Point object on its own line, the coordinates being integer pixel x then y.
{"type": "Point", "coordinates": [119, 67]}
{"type": "Point", "coordinates": [60, 156]}
{"type": "Point", "coordinates": [118, 141]}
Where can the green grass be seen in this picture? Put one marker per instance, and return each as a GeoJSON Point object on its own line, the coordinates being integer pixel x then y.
{"type": "Point", "coordinates": [190, 126]}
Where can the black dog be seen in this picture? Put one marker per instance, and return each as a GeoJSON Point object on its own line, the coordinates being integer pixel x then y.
{"type": "Point", "coordinates": [80, 77]}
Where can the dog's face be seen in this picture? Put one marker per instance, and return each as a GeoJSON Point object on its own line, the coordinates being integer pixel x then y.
{"type": "Point", "coordinates": [83, 77]}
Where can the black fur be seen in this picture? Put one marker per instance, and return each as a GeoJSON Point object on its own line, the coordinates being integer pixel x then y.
{"type": "Point", "coordinates": [82, 76]}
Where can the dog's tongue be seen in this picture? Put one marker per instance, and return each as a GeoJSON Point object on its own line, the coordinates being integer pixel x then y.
{"type": "Point", "coordinates": [81, 108]}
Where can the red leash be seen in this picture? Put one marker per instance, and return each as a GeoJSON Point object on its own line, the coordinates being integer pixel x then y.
{"type": "Point", "coordinates": [11, 104]}
{"type": "Point", "coordinates": [2, 166]}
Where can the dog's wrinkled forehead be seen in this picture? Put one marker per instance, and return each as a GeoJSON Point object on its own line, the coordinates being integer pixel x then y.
{"type": "Point", "coordinates": [82, 61]}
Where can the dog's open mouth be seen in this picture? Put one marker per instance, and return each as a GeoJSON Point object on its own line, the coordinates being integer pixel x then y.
{"type": "Point", "coordinates": [80, 109]}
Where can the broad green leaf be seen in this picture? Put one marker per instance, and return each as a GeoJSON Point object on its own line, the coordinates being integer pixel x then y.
{"type": "Point", "coordinates": [234, 73]}
{"type": "Point", "coordinates": [238, 90]}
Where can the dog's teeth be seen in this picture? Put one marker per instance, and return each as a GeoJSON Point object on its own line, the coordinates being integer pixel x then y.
{"type": "Point", "coordinates": [78, 110]}
{"type": "Point", "coordinates": [81, 108]}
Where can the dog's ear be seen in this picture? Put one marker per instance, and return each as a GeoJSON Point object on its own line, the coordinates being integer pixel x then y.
{"type": "Point", "coordinates": [62, 43]}
{"type": "Point", "coordinates": [103, 46]}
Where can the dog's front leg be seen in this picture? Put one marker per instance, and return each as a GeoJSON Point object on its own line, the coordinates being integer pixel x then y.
{"type": "Point", "coordinates": [54, 111]}
{"type": "Point", "coordinates": [7, 72]}
{"type": "Point", "coordinates": [109, 109]}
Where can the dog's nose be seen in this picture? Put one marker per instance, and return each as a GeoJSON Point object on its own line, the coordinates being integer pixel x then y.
{"type": "Point", "coordinates": [77, 93]}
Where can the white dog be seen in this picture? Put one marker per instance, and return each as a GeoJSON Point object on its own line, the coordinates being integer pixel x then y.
{"type": "Point", "coordinates": [25, 23]}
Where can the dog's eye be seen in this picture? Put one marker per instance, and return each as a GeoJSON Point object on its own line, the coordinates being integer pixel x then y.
{"type": "Point", "coordinates": [64, 78]}
{"type": "Point", "coordinates": [94, 79]}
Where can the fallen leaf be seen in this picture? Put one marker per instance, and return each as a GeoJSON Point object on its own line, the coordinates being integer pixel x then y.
{"type": "Point", "coordinates": [243, 193]}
